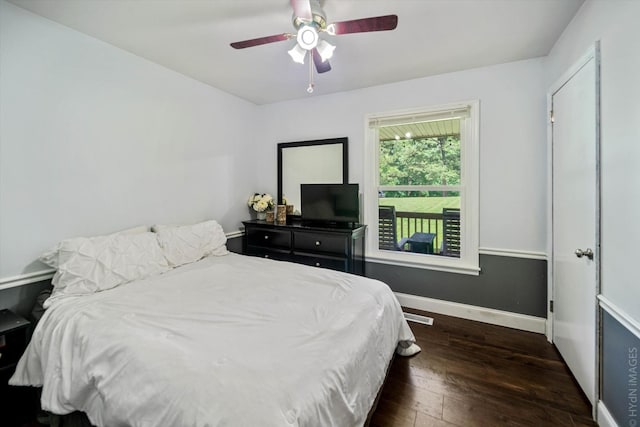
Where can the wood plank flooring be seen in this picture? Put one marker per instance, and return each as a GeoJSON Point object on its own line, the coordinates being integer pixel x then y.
{"type": "Point", "coordinates": [475, 374]}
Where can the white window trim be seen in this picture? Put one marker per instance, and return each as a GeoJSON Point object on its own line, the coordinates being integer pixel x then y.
{"type": "Point", "coordinates": [469, 262]}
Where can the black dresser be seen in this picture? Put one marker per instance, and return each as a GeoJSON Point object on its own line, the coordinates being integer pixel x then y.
{"type": "Point", "coordinates": [338, 248]}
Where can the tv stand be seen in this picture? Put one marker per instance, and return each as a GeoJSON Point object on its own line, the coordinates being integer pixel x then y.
{"type": "Point", "coordinates": [339, 247]}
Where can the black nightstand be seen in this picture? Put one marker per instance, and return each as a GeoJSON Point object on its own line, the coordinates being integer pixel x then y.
{"type": "Point", "coordinates": [17, 404]}
{"type": "Point", "coordinates": [14, 335]}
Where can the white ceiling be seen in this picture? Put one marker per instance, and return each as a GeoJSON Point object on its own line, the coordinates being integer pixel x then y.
{"type": "Point", "coordinates": [433, 37]}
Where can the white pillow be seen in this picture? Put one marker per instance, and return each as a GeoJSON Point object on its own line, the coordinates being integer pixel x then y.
{"type": "Point", "coordinates": [50, 257]}
{"type": "Point", "coordinates": [190, 243]}
{"type": "Point", "coordinates": [88, 265]}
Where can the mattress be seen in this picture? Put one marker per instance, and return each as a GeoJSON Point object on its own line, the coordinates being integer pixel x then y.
{"type": "Point", "coordinates": [226, 341]}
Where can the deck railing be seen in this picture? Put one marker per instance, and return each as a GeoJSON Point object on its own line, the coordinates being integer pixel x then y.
{"type": "Point", "coordinates": [419, 222]}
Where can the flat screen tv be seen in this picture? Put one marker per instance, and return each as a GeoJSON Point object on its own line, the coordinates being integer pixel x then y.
{"type": "Point", "coordinates": [330, 203]}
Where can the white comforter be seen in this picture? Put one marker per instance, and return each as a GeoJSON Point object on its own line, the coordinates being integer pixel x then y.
{"type": "Point", "coordinates": [226, 341]}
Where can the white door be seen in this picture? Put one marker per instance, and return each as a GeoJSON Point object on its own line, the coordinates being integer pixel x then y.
{"type": "Point", "coordinates": [575, 232]}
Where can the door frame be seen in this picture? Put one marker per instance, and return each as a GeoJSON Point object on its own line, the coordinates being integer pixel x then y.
{"type": "Point", "coordinates": [593, 53]}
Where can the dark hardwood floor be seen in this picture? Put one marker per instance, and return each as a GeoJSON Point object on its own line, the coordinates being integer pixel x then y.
{"type": "Point", "coordinates": [474, 374]}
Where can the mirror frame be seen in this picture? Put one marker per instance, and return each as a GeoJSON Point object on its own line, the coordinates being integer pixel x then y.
{"type": "Point", "coordinates": [345, 157]}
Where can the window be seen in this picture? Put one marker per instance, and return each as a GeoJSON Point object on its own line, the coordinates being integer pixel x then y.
{"type": "Point", "coordinates": [421, 172]}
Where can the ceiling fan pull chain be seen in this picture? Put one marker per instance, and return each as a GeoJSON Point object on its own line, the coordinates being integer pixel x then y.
{"type": "Point", "coordinates": [310, 87]}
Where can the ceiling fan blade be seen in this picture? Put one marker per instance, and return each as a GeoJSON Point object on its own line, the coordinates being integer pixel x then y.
{"type": "Point", "coordinates": [302, 9]}
{"type": "Point", "coordinates": [364, 25]}
{"type": "Point", "coordinates": [321, 67]}
{"type": "Point", "coordinates": [260, 40]}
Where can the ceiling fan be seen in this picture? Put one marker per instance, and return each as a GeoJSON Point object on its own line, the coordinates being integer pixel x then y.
{"type": "Point", "coordinates": [310, 21]}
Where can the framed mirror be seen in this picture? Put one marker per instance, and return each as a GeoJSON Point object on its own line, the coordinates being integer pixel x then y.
{"type": "Point", "coordinates": [323, 161]}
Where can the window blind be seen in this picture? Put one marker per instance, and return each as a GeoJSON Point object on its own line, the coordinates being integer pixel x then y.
{"type": "Point", "coordinates": [406, 119]}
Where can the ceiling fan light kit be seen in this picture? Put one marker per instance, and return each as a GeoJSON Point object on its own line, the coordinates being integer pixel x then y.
{"type": "Point", "coordinates": [309, 20]}
{"type": "Point", "coordinates": [297, 54]}
{"type": "Point", "coordinates": [325, 49]}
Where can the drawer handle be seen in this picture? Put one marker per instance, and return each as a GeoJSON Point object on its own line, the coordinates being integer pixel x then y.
{"type": "Point", "coordinates": [317, 264]}
{"type": "Point", "coordinates": [318, 242]}
{"type": "Point", "coordinates": [266, 237]}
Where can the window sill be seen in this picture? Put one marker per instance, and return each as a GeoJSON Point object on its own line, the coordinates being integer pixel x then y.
{"type": "Point", "coordinates": [426, 262]}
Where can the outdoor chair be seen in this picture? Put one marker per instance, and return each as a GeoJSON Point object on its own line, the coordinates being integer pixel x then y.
{"type": "Point", "coordinates": [387, 233]}
{"type": "Point", "coordinates": [451, 232]}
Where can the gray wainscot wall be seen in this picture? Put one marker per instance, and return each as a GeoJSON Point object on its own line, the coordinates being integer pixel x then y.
{"type": "Point", "coordinates": [620, 372]}
{"type": "Point", "coordinates": [21, 299]}
{"type": "Point", "coordinates": [517, 285]}
{"type": "Point", "coordinates": [235, 244]}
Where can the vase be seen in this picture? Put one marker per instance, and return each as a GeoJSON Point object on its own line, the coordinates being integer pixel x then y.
{"type": "Point", "coordinates": [262, 216]}
{"type": "Point", "coordinates": [281, 214]}
{"type": "Point", "coordinates": [270, 216]}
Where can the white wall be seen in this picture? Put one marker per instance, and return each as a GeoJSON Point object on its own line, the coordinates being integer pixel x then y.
{"type": "Point", "coordinates": [512, 139]}
{"type": "Point", "coordinates": [615, 24]}
{"type": "Point", "coordinates": [94, 139]}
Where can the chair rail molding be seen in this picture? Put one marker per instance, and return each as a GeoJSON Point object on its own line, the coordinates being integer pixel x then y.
{"type": "Point", "coordinates": [234, 234]}
{"type": "Point", "coordinates": [26, 279]}
{"type": "Point", "coordinates": [42, 275]}
{"type": "Point", "coordinates": [617, 313]}
{"type": "Point", "coordinates": [513, 253]}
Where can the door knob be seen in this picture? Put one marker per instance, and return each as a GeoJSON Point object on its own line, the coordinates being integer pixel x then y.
{"type": "Point", "coordinates": [587, 252]}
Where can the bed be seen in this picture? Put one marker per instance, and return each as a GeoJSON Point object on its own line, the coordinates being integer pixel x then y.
{"type": "Point", "coordinates": [221, 340]}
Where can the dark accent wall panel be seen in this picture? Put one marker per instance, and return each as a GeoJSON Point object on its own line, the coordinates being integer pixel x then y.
{"type": "Point", "coordinates": [21, 299]}
{"type": "Point", "coordinates": [518, 285]}
{"type": "Point", "coordinates": [235, 244]}
{"type": "Point", "coordinates": [620, 372]}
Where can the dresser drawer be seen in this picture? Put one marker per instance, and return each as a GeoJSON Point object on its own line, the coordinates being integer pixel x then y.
{"type": "Point", "coordinates": [319, 242]}
{"type": "Point", "coordinates": [334, 248]}
{"type": "Point", "coordinates": [263, 252]}
{"type": "Point", "coordinates": [268, 238]}
{"type": "Point", "coordinates": [340, 264]}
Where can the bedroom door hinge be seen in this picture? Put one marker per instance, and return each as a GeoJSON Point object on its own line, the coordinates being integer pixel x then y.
{"type": "Point", "coordinates": [551, 306]}
{"type": "Point", "coordinates": [551, 117]}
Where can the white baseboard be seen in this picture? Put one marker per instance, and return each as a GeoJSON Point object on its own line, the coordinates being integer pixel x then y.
{"type": "Point", "coordinates": [471, 312]}
{"type": "Point", "coordinates": [604, 417]}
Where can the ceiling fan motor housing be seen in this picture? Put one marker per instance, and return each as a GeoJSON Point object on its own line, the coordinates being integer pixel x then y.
{"type": "Point", "coordinates": [307, 37]}
{"type": "Point", "coordinates": [318, 17]}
